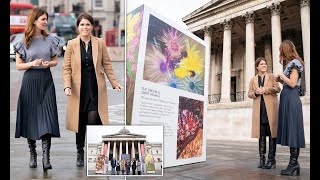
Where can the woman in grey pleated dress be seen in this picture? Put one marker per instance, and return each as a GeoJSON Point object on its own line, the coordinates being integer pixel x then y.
{"type": "Point", "coordinates": [37, 116]}
{"type": "Point", "coordinates": [290, 120]}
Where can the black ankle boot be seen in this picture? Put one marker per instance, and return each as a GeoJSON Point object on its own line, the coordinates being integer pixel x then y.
{"type": "Point", "coordinates": [262, 151]}
{"type": "Point", "coordinates": [293, 163]}
{"type": "Point", "coordinates": [33, 153]}
{"type": "Point", "coordinates": [46, 144]}
{"type": "Point", "coordinates": [80, 158]}
{"type": "Point", "coordinates": [271, 163]}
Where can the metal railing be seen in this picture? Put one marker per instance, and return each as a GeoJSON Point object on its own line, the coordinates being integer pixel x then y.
{"type": "Point", "coordinates": [214, 98]}
{"type": "Point", "coordinates": [234, 97]}
{"type": "Point", "coordinates": [237, 96]}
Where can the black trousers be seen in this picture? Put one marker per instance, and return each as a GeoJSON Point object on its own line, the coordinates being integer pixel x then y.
{"type": "Point", "coordinates": [85, 118]}
{"type": "Point", "coordinates": [265, 129]}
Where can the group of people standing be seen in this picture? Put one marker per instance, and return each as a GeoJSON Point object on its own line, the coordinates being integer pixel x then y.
{"type": "Point", "coordinates": [282, 123]}
{"type": "Point", "coordinates": [86, 62]}
{"type": "Point", "coordinates": [123, 166]}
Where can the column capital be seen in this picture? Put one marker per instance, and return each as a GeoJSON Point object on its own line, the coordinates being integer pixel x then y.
{"type": "Point", "coordinates": [275, 9]}
{"type": "Point", "coordinates": [304, 3]}
{"type": "Point", "coordinates": [249, 17]}
{"type": "Point", "coordinates": [227, 24]}
{"type": "Point", "coordinates": [208, 30]}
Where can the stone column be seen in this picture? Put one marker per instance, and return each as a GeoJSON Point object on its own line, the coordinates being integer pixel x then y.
{"type": "Point", "coordinates": [218, 69]}
{"type": "Point", "coordinates": [305, 27]}
{"type": "Point", "coordinates": [108, 151]}
{"type": "Point", "coordinates": [133, 151]}
{"type": "Point", "coordinates": [268, 52]}
{"type": "Point", "coordinates": [250, 51]}
{"type": "Point", "coordinates": [114, 149]}
{"type": "Point", "coordinates": [226, 61]}
{"type": "Point", "coordinates": [145, 147]}
{"type": "Point", "coordinates": [213, 76]}
{"type": "Point", "coordinates": [207, 39]}
{"type": "Point", "coordinates": [120, 151]}
{"type": "Point", "coordinates": [275, 9]}
{"type": "Point", "coordinates": [139, 150]}
{"type": "Point", "coordinates": [102, 147]}
{"type": "Point", "coordinates": [127, 151]}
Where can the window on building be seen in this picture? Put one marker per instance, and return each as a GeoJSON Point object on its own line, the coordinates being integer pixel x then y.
{"type": "Point", "coordinates": [34, 2]}
{"type": "Point", "coordinates": [122, 42]}
{"type": "Point", "coordinates": [159, 160]}
{"type": "Point", "coordinates": [117, 6]}
{"type": "Point", "coordinates": [98, 3]}
{"type": "Point", "coordinates": [232, 62]}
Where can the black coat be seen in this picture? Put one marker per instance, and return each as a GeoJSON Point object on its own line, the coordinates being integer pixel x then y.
{"type": "Point", "coordinates": [134, 166]}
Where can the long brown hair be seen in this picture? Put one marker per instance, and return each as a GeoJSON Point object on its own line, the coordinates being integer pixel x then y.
{"type": "Point", "coordinates": [288, 52]}
{"type": "Point", "coordinates": [30, 27]}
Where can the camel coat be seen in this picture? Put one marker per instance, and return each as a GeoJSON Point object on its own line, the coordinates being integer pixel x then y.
{"type": "Point", "coordinates": [71, 74]}
{"type": "Point", "coordinates": [271, 102]}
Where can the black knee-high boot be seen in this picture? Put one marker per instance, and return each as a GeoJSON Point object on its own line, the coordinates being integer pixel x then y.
{"type": "Point", "coordinates": [33, 153]}
{"type": "Point", "coordinates": [80, 140]}
{"type": "Point", "coordinates": [262, 151]}
{"type": "Point", "coordinates": [272, 154]}
{"type": "Point", "coordinates": [46, 145]}
{"type": "Point", "coordinates": [293, 163]}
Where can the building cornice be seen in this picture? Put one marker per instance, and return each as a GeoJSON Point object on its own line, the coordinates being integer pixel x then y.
{"type": "Point", "coordinates": [214, 11]}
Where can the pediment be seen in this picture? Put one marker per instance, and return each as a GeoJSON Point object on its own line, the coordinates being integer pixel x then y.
{"type": "Point", "coordinates": [120, 135]}
{"type": "Point", "coordinates": [214, 5]}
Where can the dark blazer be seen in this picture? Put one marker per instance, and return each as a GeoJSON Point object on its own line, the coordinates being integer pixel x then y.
{"type": "Point", "coordinates": [113, 163]}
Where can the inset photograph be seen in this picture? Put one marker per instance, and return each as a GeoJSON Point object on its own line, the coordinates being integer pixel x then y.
{"type": "Point", "coordinates": [124, 150]}
{"type": "Point", "coordinates": [190, 128]}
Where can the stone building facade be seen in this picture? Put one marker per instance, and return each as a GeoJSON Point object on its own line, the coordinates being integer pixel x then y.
{"type": "Point", "coordinates": [238, 32]}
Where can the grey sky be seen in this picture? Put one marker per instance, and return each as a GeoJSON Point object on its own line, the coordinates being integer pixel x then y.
{"type": "Point", "coordinates": [174, 10]}
{"type": "Point", "coordinates": [153, 133]}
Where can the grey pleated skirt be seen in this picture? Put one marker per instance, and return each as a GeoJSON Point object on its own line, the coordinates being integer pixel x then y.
{"type": "Point", "coordinates": [37, 113]}
{"type": "Point", "coordinates": [290, 123]}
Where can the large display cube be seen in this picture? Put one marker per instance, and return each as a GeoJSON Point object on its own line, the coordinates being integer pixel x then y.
{"type": "Point", "coordinates": [167, 83]}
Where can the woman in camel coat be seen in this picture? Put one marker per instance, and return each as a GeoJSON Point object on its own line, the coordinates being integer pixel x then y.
{"type": "Point", "coordinates": [86, 61]}
{"type": "Point", "coordinates": [263, 90]}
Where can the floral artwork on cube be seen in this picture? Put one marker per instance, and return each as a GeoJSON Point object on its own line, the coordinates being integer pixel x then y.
{"type": "Point", "coordinates": [133, 33]}
{"type": "Point", "coordinates": [173, 59]}
{"type": "Point", "coordinates": [190, 128]}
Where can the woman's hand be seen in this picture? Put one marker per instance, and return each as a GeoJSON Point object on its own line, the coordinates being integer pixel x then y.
{"type": "Point", "coordinates": [262, 90]}
{"type": "Point", "coordinates": [36, 63]}
{"type": "Point", "coordinates": [279, 77]}
{"type": "Point", "coordinates": [67, 91]}
{"type": "Point", "coordinates": [45, 64]}
{"type": "Point", "coordinates": [119, 88]}
{"type": "Point", "coordinates": [258, 91]}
